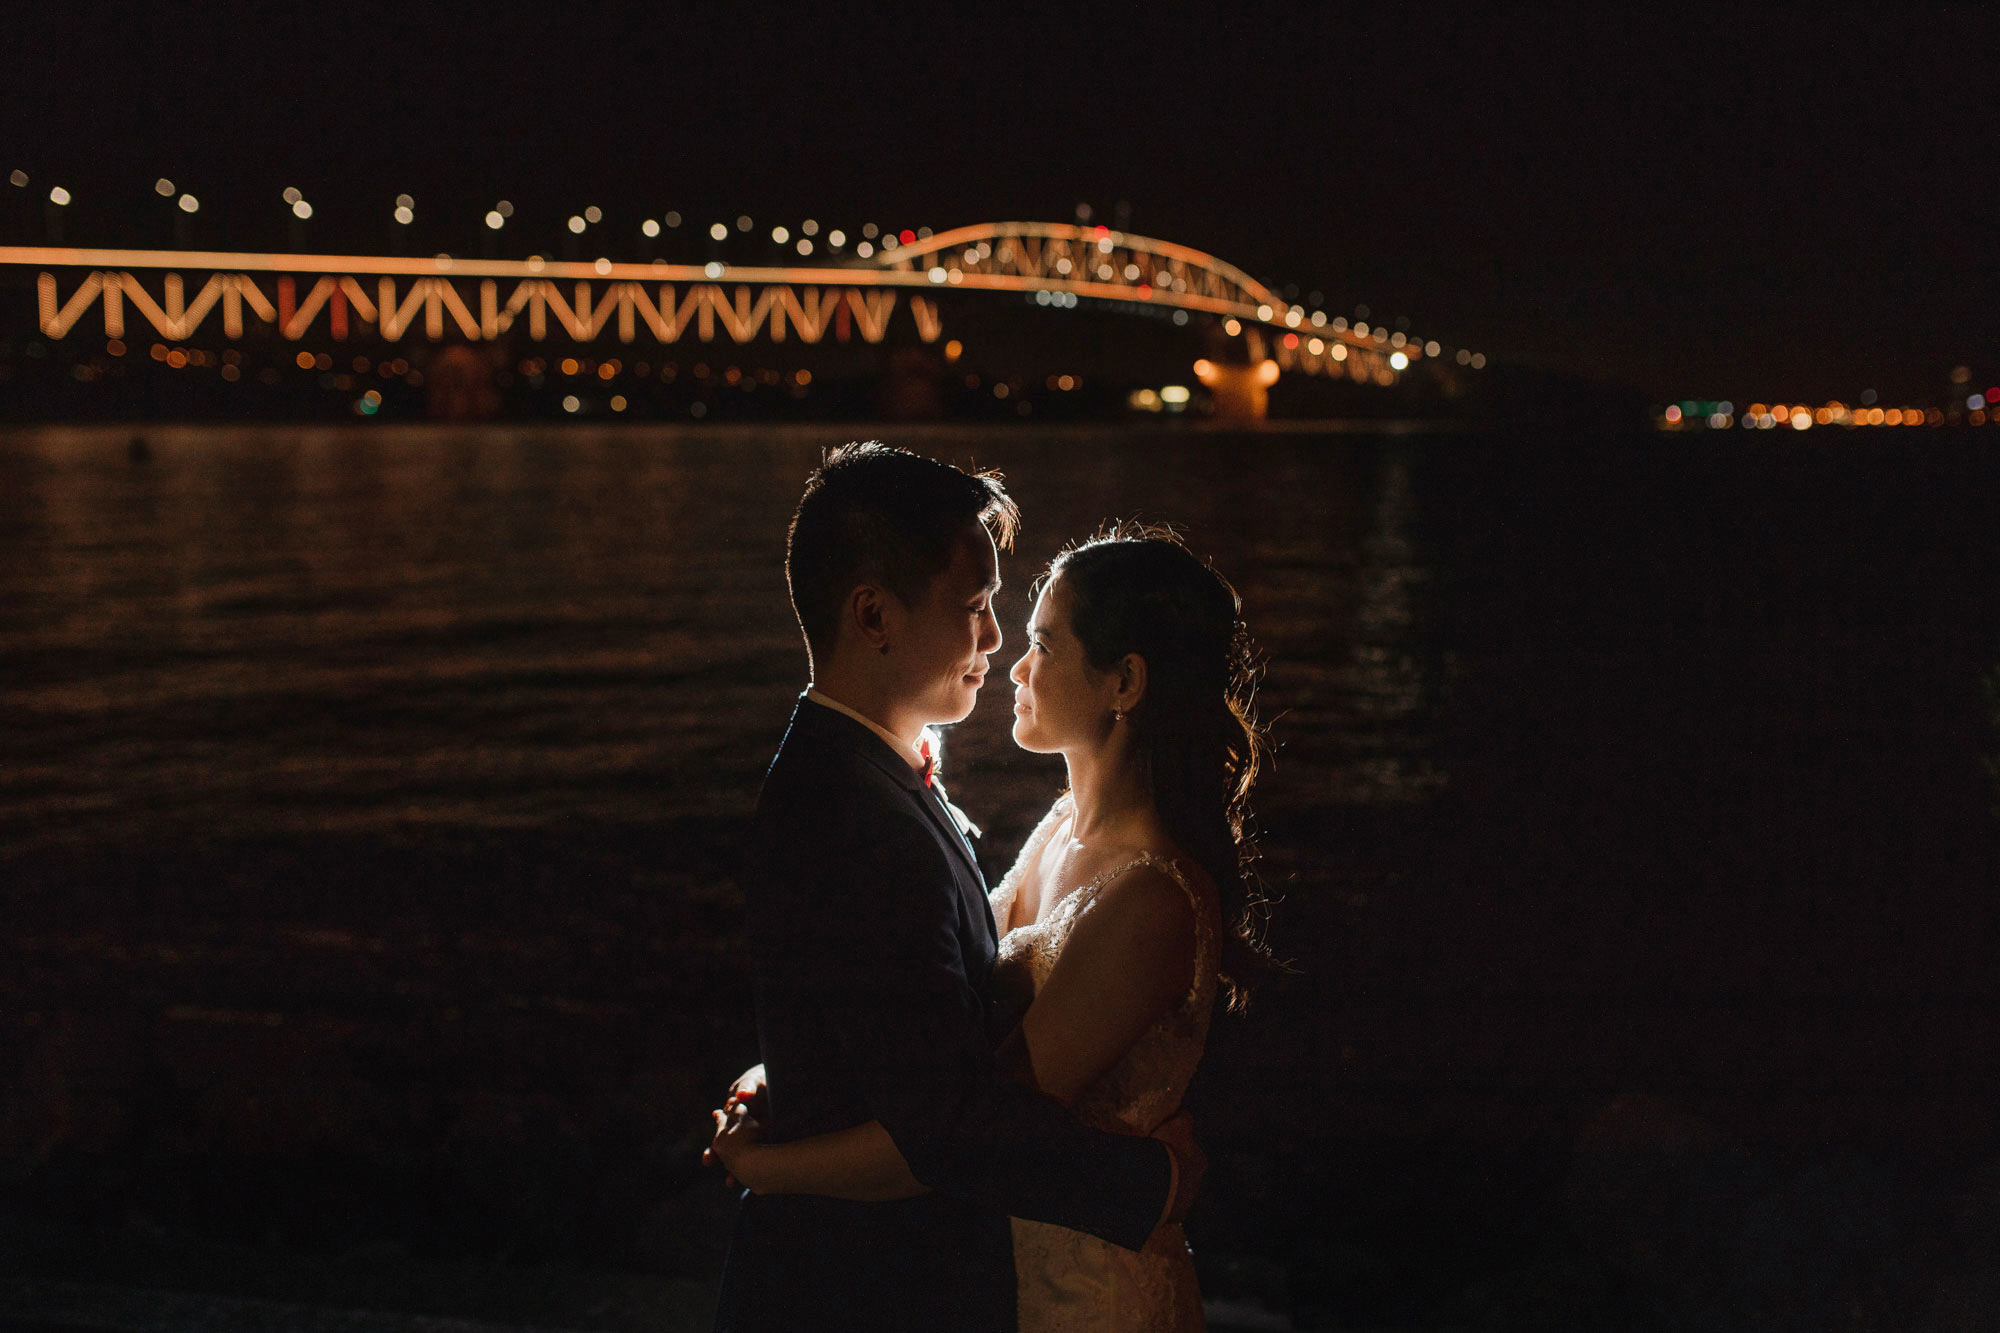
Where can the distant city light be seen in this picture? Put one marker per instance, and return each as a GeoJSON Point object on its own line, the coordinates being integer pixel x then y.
{"type": "Point", "coordinates": [576, 224]}
{"type": "Point", "coordinates": [1479, 360]}
{"type": "Point", "coordinates": [712, 269]}
{"type": "Point", "coordinates": [1174, 394]}
{"type": "Point", "coordinates": [162, 187]}
{"type": "Point", "coordinates": [405, 214]}
{"type": "Point", "coordinates": [809, 228]}
{"type": "Point", "coordinates": [870, 230]}
{"type": "Point", "coordinates": [780, 235]}
{"type": "Point", "coordinates": [504, 209]}
{"type": "Point", "coordinates": [593, 215]}
{"type": "Point", "coordinates": [864, 249]}
{"type": "Point", "coordinates": [59, 197]}
{"type": "Point", "coordinates": [190, 204]}
{"type": "Point", "coordinates": [836, 238]}
{"type": "Point", "coordinates": [495, 219]}
{"type": "Point", "coordinates": [1431, 348]}
{"type": "Point", "coordinates": [571, 402]}
{"type": "Point", "coordinates": [719, 232]}
{"type": "Point", "coordinates": [650, 227]}
{"type": "Point", "coordinates": [743, 223]}
{"type": "Point", "coordinates": [302, 210]}
{"type": "Point", "coordinates": [18, 178]}
{"type": "Point", "coordinates": [1672, 414]}
{"type": "Point", "coordinates": [404, 201]}
{"type": "Point", "coordinates": [1399, 361]}
{"type": "Point", "coordinates": [673, 219]}
{"type": "Point", "coordinates": [292, 195]}
{"type": "Point", "coordinates": [1231, 327]}
{"type": "Point", "coordinates": [805, 246]}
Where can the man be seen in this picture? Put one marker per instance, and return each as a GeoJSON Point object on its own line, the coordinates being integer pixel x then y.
{"type": "Point", "coordinates": [873, 943]}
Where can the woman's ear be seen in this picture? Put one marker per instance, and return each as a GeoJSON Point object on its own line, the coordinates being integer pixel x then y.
{"type": "Point", "coordinates": [1131, 682]}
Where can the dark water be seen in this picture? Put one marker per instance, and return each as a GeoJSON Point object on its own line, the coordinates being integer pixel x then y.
{"type": "Point", "coordinates": [369, 803]}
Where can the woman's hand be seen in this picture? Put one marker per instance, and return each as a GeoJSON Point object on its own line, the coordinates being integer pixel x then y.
{"type": "Point", "coordinates": [738, 1143]}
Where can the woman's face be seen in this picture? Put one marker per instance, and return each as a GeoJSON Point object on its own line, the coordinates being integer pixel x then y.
{"type": "Point", "coordinates": [1060, 700]}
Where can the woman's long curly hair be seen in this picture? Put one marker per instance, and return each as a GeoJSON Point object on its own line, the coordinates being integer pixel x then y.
{"type": "Point", "coordinates": [1137, 588]}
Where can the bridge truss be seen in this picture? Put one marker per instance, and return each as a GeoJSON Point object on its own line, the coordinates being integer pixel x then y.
{"type": "Point", "coordinates": [445, 298]}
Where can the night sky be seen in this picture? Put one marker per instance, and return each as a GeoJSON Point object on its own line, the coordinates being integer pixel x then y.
{"type": "Point", "coordinates": [1757, 208]}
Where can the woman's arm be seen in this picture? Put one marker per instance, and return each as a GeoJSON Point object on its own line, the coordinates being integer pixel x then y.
{"type": "Point", "coordinates": [861, 1164]}
{"type": "Point", "coordinates": [1128, 961]}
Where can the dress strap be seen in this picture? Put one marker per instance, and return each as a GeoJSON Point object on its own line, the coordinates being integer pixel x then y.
{"type": "Point", "coordinates": [1086, 893]}
{"type": "Point", "coordinates": [1205, 954]}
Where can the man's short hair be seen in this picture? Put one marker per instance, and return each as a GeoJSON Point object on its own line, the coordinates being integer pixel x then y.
{"type": "Point", "coordinates": [873, 514]}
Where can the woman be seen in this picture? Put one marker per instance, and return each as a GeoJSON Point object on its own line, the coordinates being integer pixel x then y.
{"type": "Point", "coordinates": [1129, 908]}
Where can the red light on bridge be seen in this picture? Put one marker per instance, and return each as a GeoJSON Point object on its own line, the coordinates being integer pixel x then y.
{"type": "Point", "coordinates": [906, 236]}
{"type": "Point", "coordinates": [1291, 341]}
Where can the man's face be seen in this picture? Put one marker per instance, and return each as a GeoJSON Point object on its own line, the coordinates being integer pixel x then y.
{"type": "Point", "coordinates": [946, 638]}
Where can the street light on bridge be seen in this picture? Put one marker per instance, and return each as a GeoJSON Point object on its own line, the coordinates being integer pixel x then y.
{"type": "Point", "coordinates": [59, 199]}
{"type": "Point", "coordinates": [404, 214]}
{"type": "Point", "coordinates": [301, 212]}
{"type": "Point", "coordinates": [496, 218]}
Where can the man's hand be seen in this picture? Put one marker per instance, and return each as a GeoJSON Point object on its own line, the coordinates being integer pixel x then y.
{"type": "Point", "coordinates": [745, 1102]}
{"type": "Point", "coordinates": [737, 1137]}
{"type": "Point", "coordinates": [748, 1091]}
{"type": "Point", "coordinates": [1190, 1162]}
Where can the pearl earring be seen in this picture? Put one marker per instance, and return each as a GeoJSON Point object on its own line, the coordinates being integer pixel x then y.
{"type": "Point", "coordinates": [1117, 715]}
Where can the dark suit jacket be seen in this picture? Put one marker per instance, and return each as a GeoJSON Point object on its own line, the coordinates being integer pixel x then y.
{"type": "Point", "coordinates": [873, 948]}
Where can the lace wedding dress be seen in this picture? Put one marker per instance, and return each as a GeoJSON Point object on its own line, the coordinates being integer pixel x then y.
{"type": "Point", "coordinates": [1069, 1280]}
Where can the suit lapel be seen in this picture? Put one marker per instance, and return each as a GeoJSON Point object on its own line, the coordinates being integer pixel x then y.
{"type": "Point", "coordinates": [973, 883]}
{"type": "Point", "coordinates": [933, 805]}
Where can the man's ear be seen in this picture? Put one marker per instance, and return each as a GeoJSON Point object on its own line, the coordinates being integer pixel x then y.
{"type": "Point", "coordinates": [1131, 672]}
{"type": "Point", "coordinates": [870, 617]}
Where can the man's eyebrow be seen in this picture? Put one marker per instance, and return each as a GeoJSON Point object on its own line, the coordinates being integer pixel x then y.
{"type": "Point", "coordinates": [991, 585]}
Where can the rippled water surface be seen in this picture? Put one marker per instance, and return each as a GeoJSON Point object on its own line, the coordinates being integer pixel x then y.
{"type": "Point", "coordinates": [370, 804]}
{"type": "Point", "coordinates": [262, 630]}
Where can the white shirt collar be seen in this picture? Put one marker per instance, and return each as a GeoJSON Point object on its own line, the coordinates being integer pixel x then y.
{"type": "Point", "coordinates": [911, 755]}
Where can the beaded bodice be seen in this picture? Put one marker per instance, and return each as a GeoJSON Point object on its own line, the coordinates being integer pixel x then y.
{"type": "Point", "coordinates": [1146, 1086]}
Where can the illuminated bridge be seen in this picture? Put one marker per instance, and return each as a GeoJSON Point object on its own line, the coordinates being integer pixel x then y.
{"type": "Point", "coordinates": [1237, 336]}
